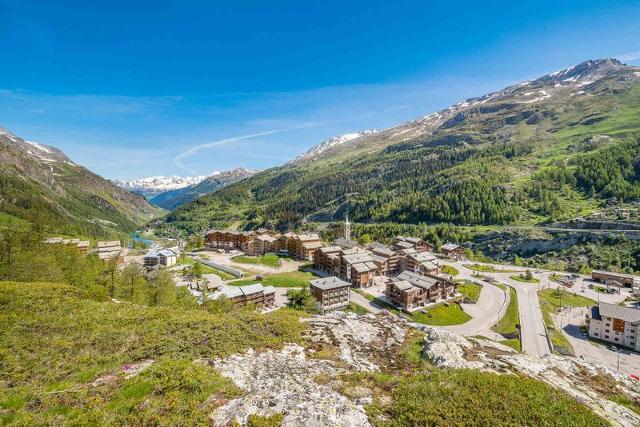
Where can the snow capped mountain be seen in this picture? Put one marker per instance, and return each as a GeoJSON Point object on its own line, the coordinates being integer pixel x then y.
{"type": "Point", "coordinates": [41, 152]}
{"type": "Point", "coordinates": [579, 80]}
{"type": "Point", "coordinates": [318, 149]}
{"type": "Point", "coordinates": [159, 184]}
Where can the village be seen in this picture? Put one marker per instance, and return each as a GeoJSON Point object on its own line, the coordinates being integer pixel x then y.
{"type": "Point", "coordinates": [598, 321]}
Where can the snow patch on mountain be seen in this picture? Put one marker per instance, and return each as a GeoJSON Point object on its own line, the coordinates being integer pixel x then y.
{"type": "Point", "coordinates": [318, 149]}
{"type": "Point", "coordinates": [161, 183]}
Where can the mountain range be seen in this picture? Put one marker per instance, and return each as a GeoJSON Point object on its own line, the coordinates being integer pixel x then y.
{"type": "Point", "coordinates": [546, 149]}
{"type": "Point", "coordinates": [154, 185]}
{"type": "Point", "coordinates": [42, 188]}
{"type": "Point", "coordinates": [171, 199]}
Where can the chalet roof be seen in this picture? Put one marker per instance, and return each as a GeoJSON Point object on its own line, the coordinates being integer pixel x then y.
{"type": "Point", "coordinates": [83, 244]}
{"type": "Point", "coordinates": [422, 256]}
{"type": "Point", "coordinates": [251, 289]}
{"type": "Point", "coordinates": [307, 237]}
{"type": "Point", "coordinates": [344, 243]}
{"type": "Point", "coordinates": [418, 280]}
{"type": "Point", "coordinates": [379, 259]}
{"type": "Point", "coordinates": [429, 265]}
{"type": "Point", "coordinates": [266, 238]}
{"type": "Point", "coordinates": [403, 245]}
{"type": "Point", "coordinates": [403, 285]}
{"type": "Point", "coordinates": [228, 291]}
{"type": "Point", "coordinates": [413, 240]}
{"type": "Point", "coordinates": [376, 245]}
{"type": "Point", "coordinates": [327, 283]}
{"type": "Point", "coordinates": [311, 245]}
{"type": "Point", "coordinates": [351, 251]}
{"type": "Point", "coordinates": [166, 252]}
{"type": "Point", "coordinates": [627, 314]}
{"type": "Point", "coordinates": [364, 267]}
{"type": "Point", "coordinates": [269, 290]}
{"type": "Point", "coordinates": [108, 244]}
{"type": "Point", "coordinates": [357, 258]}
{"type": "Point", "coordinates": [330, 249]}
{"type": "Point", "coordinates": [383, 251]}
{"type": "Point", "coordinates": [450, 247]}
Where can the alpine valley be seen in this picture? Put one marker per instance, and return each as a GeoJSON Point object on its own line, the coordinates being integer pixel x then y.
{"type": "Point", "coordinates": [40, 187]}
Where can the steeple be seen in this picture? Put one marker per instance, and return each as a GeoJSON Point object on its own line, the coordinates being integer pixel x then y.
{"type": "Point", "coordinates": [347, 228]}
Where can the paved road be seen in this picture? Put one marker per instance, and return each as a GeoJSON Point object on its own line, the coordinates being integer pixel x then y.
{"type": "Point", "coordinates": [533, 331]}
{"type": "Point", "coordinates": [485, 313]}
{"type": "Point", "coordinates": [356, 298]}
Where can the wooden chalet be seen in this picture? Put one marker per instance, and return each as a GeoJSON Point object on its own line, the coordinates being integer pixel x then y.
{"type": "Point", "coordinates": [452, 250]}
{"type": "Point", "coordinates": [411, 291]}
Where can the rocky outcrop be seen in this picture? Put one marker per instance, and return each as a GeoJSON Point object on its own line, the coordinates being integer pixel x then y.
{"type": "Point", "coordinates": [587, 383]}
{"type": "Point", "coordinates": [290, 381]}
{"type": "Point", "coordinates": [284, 382]}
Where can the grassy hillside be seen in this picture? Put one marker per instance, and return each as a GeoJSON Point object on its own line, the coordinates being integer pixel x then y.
{"type": "Point", "coordinates": [504, 159]}
{"type": "Point", "coordinates": [70, 360]}
{"type": "Point", "coordinates": [65, 358]}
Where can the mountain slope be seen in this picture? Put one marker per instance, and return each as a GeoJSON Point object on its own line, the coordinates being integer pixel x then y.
{"type": "Point", "coordinates": [546, 149]}
{"type": "Point", "coordinates": [171, 199]}
{"type": "Point", "coordinates": [41, 185]}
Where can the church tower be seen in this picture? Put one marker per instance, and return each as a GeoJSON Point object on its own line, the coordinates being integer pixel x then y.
{"type": "Point", "coordinates": [347, 228]}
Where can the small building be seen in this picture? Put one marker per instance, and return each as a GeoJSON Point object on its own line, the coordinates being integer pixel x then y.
{"type": "Point", "coordinates": [452, 250]}
{"type": "Point", "coordinates": [84, 247]}
{"type": "Point", "coordinates": [613, 279]}
{"type": "Point", "coordinates": [330, 292]}
{"type": "Point", "coordinates": [261, 296]}
{"type": "Point", "coordinates": [401, 242]}
{"type": "Point", "coordinates": [615, 324]}
{"type": "Point", "coordinates": [109, 249]}
{"type": "Point", "coordinates": [162, 257]}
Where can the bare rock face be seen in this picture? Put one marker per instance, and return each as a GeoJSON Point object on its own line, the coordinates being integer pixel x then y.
{"type": "Point", "coordinates": [292, 382]}
{"type": "Point", "coordinates": [284, 382]}
{"type": "Point", "coordinates": [587, 383]}
{"type": "Point", "coordinates": [361, 340]}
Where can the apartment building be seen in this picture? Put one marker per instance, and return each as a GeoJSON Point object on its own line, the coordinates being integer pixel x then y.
{"type": "Point", "coordinates": [330, 292]}
{"type": "Point", "coordinates": [615, 324]}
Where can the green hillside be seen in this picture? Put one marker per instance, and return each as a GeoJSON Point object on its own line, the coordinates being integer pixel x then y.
{"type": "Point", "coordinates": [546, 150]}
{"type": "Point", "coordinates": [44, 189]}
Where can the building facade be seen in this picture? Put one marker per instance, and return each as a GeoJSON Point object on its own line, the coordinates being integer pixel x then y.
{"type": "Point", "coordinates": [613, 279]}
{"type": "Point", "coordinates": [330, 292]}
{"type": "Point", "coordinates": [261, 296]}
{"type": "Point", "coordinates": [615, 324]}
{"type": "Point", "coordinates": [410, 291]}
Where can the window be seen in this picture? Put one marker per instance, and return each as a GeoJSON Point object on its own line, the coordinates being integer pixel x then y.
{"type": "Point", "coordinates": [606, 336]}
{"type": "Point", "coordinates": [595, 334]}
{"type": "Point", "coordinates": [606, 330]}
{"type": "Point", "coordinates": [616, 339]}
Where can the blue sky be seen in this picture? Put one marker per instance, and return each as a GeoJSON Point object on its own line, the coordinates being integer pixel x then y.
{"type": "Point", "coordinates": [132, 89]}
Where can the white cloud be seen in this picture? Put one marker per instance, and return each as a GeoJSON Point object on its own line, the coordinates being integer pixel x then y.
{"type": "Point", "coordinates": [180, 158]}
{"type": "Point", "coordinates": [630, 56]}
